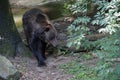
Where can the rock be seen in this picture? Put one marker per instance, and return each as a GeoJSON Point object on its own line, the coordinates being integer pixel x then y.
{"type": "Point", "coordinates": [28, 3]}
{"type": "Point", "coordinates": [7, 70]}
{"type": "Point", "coordinates": [53, 8]}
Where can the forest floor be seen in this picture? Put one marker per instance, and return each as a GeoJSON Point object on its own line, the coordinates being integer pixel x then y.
{"type": "Point", "coordinates": [30, 71]}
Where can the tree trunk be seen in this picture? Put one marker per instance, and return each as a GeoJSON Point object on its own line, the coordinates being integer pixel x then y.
{"type": "Point", "coordinates": [9, 36]}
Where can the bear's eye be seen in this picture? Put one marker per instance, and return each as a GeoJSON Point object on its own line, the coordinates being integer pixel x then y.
{"type": "Point", "coordinates": [47, 29]}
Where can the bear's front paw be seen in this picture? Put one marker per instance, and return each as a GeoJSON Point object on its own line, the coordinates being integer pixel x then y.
{"type": "Point", "coordinates": [41, 64]}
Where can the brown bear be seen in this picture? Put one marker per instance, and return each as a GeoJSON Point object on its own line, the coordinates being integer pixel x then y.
{"type": "Point", "coordinates": [39, 33]}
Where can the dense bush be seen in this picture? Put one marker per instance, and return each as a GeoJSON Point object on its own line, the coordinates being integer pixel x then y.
{"type": "Point", "coordinates": [106, 49]}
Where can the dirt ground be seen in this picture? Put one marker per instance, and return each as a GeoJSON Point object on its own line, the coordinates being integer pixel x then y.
{"type": "Point", "coordinates": [28, 67]}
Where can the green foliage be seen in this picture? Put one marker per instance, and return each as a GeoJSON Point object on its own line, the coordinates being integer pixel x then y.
{"type": "Point", "coordinates": [109, 47]}
{"type": "Point", "coordinates": [77, 32]}
{"type": "Point", "coordinates": [108, 18]}
{"type": "Point", "coordinates": [79, 7]}
{"type": "Point", "coordinates": [106, 71]}
{"type": "Point", "coordinates": [116, 72]}
{"type": "Point", "coordinates": [108, 15]}
{"type": "Point", "coordinates": [79, 28]}
{"type": "Point", "coordinates": [66, 10]}
{"type": "Point", "coordinates": [80, 72]}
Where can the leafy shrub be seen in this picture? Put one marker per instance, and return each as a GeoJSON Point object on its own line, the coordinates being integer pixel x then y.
{"type": "Point", "coordinates": [78, 29]}
{"type": "Point", "coordinates": [108, 18]}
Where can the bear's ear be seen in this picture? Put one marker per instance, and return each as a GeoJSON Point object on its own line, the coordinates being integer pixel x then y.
{"type": "Point", "coordinates": [47, 26]}
{"type": "Point", "coordinates": [40, 18]}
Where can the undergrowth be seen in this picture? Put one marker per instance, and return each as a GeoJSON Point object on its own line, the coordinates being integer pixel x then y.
{"type": "Point", "coordinates": [107, 49]}
{"type": "Point", "coordinates": [79, 72]}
